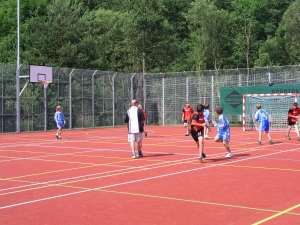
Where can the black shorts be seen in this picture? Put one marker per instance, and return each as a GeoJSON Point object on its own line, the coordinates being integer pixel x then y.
{"type": "Point", "coordinates": [196, 134]}
{"type": "Point", "coordinates": [292, 123]}
{"type": "Point", "coordinates": [185, 121]}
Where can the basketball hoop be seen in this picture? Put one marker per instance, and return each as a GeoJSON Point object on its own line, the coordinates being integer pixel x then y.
{"type": "Point", "coordinates": [45, 82]}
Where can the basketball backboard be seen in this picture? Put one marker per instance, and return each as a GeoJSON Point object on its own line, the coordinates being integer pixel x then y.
{"type": "Point", "coordinates": [38, 73]}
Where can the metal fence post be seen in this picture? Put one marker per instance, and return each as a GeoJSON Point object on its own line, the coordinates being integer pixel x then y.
{"type": "Point", "coordinates": [186, 86]}
{"type": "Point", "coordinates": [144, 93]}
{"type": "Point", "coordinates": [163, 100]}
{"type": "Point", "coordinates": [113, 96]}
{"type": "Point", "coordinates": [131, 86]}
{"type": "Point", "coordinates": [93, 99]}
{"type": "Point", "coordinates": [212, 98]}
{"type": "Point", "coordinates": [70, 99]}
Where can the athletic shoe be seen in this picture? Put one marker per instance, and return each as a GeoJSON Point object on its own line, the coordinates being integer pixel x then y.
{"type": "Point", "coordinates": [134, 156]}
{"type": "Point", "coordinates": [271, 142]}
{"type": "Point", "coordinates": [187, 134]}
{"type": "Point", "coordinates": [203, 155]}
{"type": "Point", "coordinates": [57, 137]}
{"type": "Point", "coordinates": [140, 153]}
{"type": "Point", "coordinates": [201, 158]}
{"type": "Point", "coordinates": [298, 138]}
{"type": "Point", "coordinates": [145, 134]}
{"type": "Point", "coordinates": [288, 138]}
{"type": "Point", "coordinates": [259, 143]}
{"type": "Point", "coordinates": [229, 155]}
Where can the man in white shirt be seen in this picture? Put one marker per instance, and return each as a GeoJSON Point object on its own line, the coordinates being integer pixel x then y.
{"type": "Point", "coordinates": [134, 119]}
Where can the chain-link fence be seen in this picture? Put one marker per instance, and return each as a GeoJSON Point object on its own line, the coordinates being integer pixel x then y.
{"type": "Point", "coordinates": [96, 98]}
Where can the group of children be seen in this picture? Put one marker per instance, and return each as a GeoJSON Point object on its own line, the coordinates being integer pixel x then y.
{"type": "Point", "coordinates": [200, 127]}
{"type": "Point", "coordinates": [199, 122]}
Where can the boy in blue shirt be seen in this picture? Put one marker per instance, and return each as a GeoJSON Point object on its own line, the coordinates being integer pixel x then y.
{"type": "Point", "coordinates": [60, 121]}
{"type": "Point", "coordinates": [223, 134]}
{"type": "Point", "coordinates": [262, 116]}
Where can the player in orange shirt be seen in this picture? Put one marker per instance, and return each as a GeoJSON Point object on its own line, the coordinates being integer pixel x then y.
{"type": "Point", "coordinates": [145, 116]}
{"type": "Point", "coordinates": [187, 113]}
{"type": "Point", "coordinates": [197, 129]}
{"type": "Point", "coordinates": [293, 115]}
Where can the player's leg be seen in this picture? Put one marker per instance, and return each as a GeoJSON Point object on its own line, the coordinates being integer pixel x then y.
{"type": "Point", "coordinates": [269, 136]}
{"type": "Point", "coordinates": [140, 143]}
{"type": "Point", "coordinates": [288, 132]}
{"type": "Point", "coordinates": [201, 147]}
{"type": "Point", "coordinates": [218, 138]}
{"type": "Point", "coordinates": [131, 140]}
{"type": "Point", "coordinates": [226, 145]}
{"type": "Point", "coordinates": [186, 125]}
{"type": "Point", "coordinates": [259, 137]}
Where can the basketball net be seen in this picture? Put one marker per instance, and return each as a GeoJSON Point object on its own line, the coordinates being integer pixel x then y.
{"type": "Point", "coordinates": [45, 82]}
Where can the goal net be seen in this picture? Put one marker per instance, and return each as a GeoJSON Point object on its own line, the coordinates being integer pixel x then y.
{"type": "Point", "coordinates": [276, 105]}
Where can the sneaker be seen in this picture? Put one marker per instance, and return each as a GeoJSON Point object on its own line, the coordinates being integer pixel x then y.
{"type": "Point", "coordinates": [259, 143]}
{"type": "Point", "coordinates": [229, 155]}
{"type": "Point", "coordinates": [57, 137]}
{"type": "Point", "coordinates": [288, 138]}
{"type": "Point", "coordinates": [201, 158]}
{"type": "Point", "coordinates": [299, 138]}
{"type": "Point", "coordinates": [140, 153]}
{"type": "Point", "coordinates": [271, 142]}
{"type": "Point", "coordinates": [145, 134]}
{"type": "Point", "coordinates": [134, 156]}
{"type": "Point", "coordinates": [187, 134]}
{"type": "Point", "coordinates": [203, 155]}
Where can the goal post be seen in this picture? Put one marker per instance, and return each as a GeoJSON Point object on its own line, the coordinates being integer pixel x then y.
{"type": "Point", "coordinates": [276, 105]}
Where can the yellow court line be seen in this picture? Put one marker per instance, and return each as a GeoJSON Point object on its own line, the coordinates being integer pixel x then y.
{"type": "Point", "coordinates": [276, 215]}
{"type": "Point", "coordinates": [265, 168]}
{"type": "Point", "coordinates": [70, 169]}
{"type": "Point", "coordinates": [92, 178]}
{"type": "Point", "coordinates": [200, 202]}
{"type": "Point", "coordinates": [164, 197]}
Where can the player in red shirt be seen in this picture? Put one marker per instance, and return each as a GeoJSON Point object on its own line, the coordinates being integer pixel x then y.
{"type": "Point", "coordinates": [187, 113]}
{"type": "Point", "coordinates": [293, 115]}
{"type": "Point", "coordinates": [145, 116]}
{"type": "Point", "coordinates": [197, 129]}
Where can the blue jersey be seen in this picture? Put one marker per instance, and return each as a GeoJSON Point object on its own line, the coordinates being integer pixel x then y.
{"type": "Point", "coordinates": [59, 117]}
{"type": "Point", "coordinates": [223, 128]}
{"type": "Point", "coordinates": [206, 115]}
{"type": "Point", "coordinates": [261, 115]}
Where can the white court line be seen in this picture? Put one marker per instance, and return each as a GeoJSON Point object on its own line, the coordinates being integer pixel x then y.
{"type": "Point", "coordinates": [144, 179]}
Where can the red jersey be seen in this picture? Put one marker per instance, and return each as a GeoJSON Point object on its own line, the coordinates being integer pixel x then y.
{"type": "Point", "coordinates": [145, 116]}
{"type": "Point", "coordinates": [293, 112]}
{"type": "Point", "coordinates": [197, 119]}
{"type": "Point", "coordinates": [187, 112]}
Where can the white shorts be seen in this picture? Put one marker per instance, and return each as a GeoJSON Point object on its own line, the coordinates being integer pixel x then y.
{"type": "Point", "coordinates": [135, 137]}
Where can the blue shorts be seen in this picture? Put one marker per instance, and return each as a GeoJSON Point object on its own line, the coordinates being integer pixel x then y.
{"type": "Point", "coordinates": [224, 136]}
{"type": "Point", "coordinates": [60, 124]}
{"type": "Point", "coordinates": [264, 126]}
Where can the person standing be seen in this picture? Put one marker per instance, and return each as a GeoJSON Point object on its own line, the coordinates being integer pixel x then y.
{"type": "Point", "coordinates": [198, 125]}
{"type": "Point", "coordinates": [293, 115]}
{"type": "Point", "coordinates": [207, 118]}
{"type": "Point", "coordinates": [262, 116]}
{"type": "Point", "coordinates": [134, 121]}
{"type": "Point", "coordinates": [145, 116]}
{"type": "Point", "coordinates": [223, 134]}
{"type": "Point", "coordinates": [60, 120]}
{"type": "Point", "coordinates": [187, 113]}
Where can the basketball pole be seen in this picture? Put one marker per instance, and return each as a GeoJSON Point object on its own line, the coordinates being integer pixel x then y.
{"type": "Point", "coordinates": [18, 112]}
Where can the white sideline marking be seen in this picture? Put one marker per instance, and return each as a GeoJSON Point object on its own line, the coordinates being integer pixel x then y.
{"type": "Point", "coordinates": [144, 179]}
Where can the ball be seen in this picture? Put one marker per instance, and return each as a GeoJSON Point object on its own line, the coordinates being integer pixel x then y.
{"type": "Point", "coordinates": [270, 83]}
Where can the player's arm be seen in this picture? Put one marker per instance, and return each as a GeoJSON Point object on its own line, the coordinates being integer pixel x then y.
{"type": "Point", "coordinates": [183, 112]}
